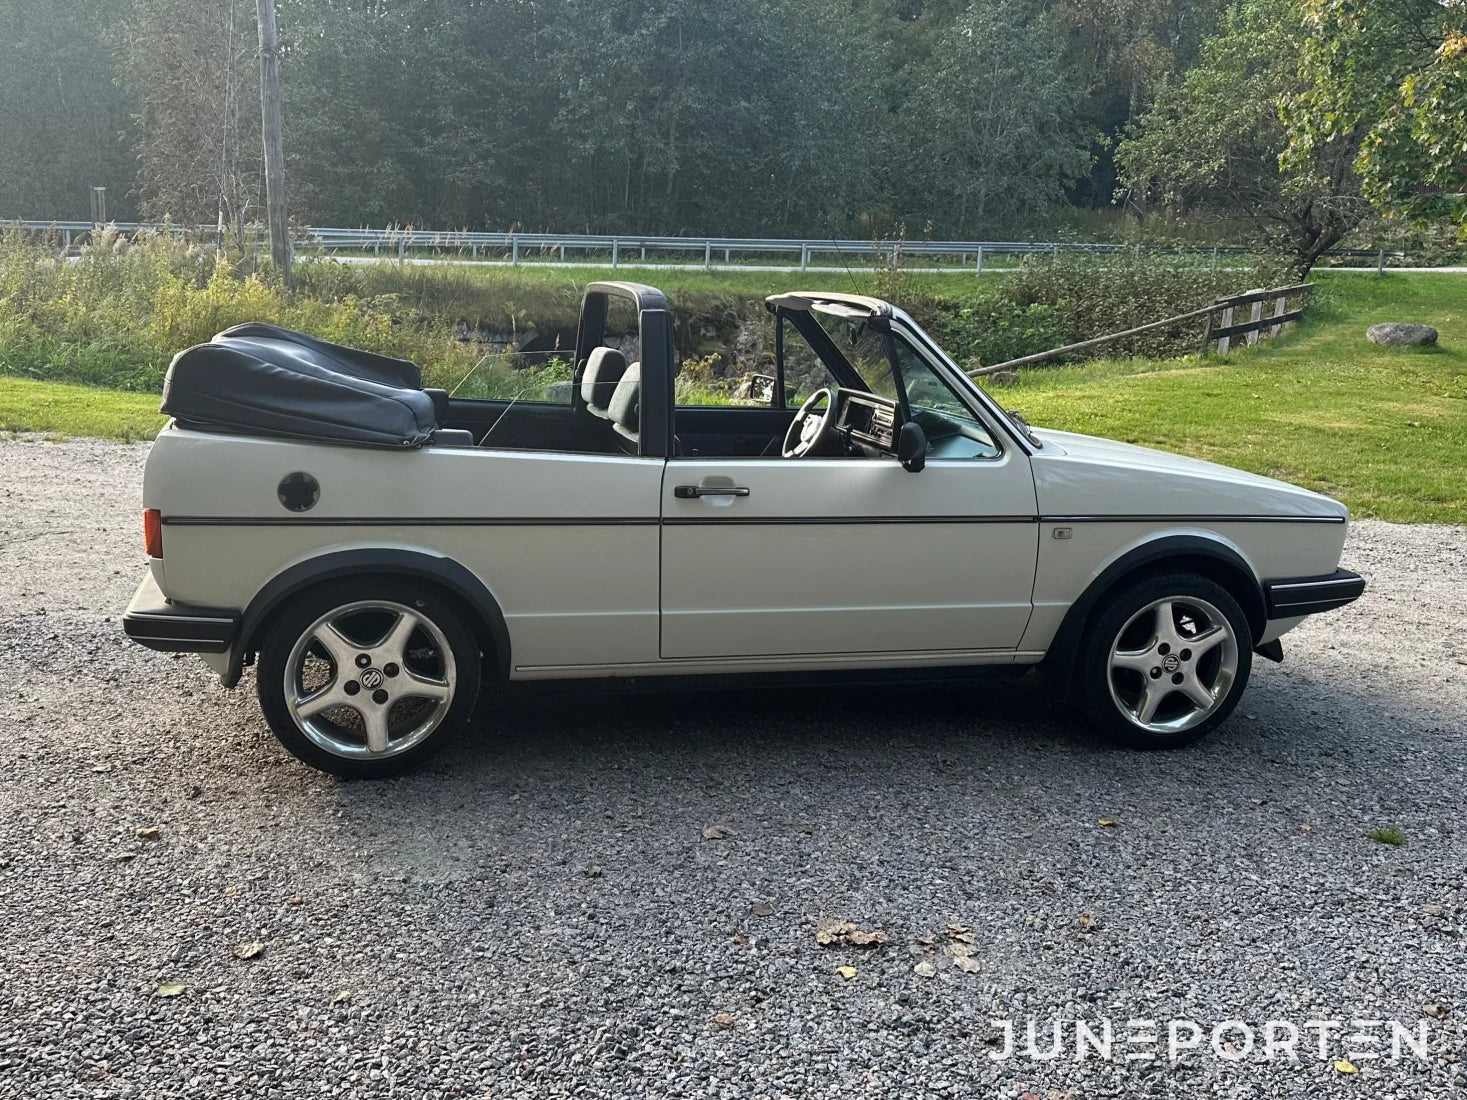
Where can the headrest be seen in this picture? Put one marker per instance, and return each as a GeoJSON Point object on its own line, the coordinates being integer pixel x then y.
{"type": "Point", "coordinates": [626, 403]}
{"type": "Point", "coordinates": [604, 369]}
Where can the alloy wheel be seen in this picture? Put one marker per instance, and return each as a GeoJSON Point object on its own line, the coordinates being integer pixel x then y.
{"type": "Point", "coordinates": [370, 680]}
{"type": "Point", "coordinates": [1172, 664]}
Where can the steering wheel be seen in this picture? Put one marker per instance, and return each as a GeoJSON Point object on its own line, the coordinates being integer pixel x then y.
{"type": "Point", "coordinates": [811, 427]}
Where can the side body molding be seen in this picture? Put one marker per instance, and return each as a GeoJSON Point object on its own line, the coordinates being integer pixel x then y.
{"type": "Point", "coordinates": [486, 618]}
{"type": "Point", "coordinates": [1210, 556]}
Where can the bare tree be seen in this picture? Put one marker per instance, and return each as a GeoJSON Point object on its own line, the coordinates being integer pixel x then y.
{"type": "Point", "coordinates": [191, 65]}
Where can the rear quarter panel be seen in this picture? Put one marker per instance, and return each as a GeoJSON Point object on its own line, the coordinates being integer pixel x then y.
{"type": "Point", "coordinates": [525, 523]}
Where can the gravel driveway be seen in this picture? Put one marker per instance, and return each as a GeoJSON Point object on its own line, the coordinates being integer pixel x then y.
{"type": "Point", "coordinates": [539, 913]}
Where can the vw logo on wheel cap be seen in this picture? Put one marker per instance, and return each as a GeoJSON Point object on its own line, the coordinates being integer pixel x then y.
{"type": "Point", "coordinates": [371, 679]}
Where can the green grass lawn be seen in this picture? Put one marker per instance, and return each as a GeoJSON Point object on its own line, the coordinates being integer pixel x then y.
{"type": "Point", "coordinates": [1383, 430]}
{"type": "Point", "coordinates": [62, 410]}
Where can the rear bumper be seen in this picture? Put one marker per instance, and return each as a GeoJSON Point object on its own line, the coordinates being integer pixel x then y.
{"type": "Point", "coordinates": [151, 620]}
{"type": "Point", "coordinates": [1291, 598]}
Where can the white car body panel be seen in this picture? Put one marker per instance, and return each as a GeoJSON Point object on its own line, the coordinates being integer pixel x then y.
{"type": "Point", "coordinates": [825, 555]}
{"type": "Point", "coordinates": [568, 544]}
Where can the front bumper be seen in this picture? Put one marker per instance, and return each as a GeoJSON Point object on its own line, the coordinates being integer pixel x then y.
{"type": "Point", "coordinates": [1298, 596]}
{"type": "Point", "coordinates": [153, 621]}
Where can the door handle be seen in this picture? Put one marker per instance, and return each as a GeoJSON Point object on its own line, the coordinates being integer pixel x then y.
{"type": "Point", "coordinates": [693, 492]}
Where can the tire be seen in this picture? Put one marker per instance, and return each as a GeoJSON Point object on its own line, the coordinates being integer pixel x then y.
{"type": "Point", "coordinates": [369, 677]}
{"type": "Point", "coordinates": [1130, 664]}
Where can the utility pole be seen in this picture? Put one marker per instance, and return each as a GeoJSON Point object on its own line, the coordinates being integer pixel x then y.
{"type": "Point", "coordinates": [272, 127]}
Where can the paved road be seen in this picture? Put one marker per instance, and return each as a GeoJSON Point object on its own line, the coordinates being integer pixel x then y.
{"type": "Point", "coordinates": [539, 913]}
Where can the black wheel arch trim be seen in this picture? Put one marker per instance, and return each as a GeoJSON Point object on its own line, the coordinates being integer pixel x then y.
{"type": "Point", "coordinates": [416, 564]}
{"type": "Point", "coordinates": [1064, 649]}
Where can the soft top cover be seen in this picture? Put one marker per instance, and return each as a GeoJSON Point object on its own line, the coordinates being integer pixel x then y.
{"type": "Point", "coordinates": [264, 380]}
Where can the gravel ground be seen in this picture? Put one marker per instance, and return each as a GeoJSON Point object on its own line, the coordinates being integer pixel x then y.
{"type": "Point", "coordinates": [539, 913]}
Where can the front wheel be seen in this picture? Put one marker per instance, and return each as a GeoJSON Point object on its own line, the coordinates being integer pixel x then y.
{"type": "Point", "coordinates": [365, 679]}
{"type": "Point", "coordinates": [1165, 661]}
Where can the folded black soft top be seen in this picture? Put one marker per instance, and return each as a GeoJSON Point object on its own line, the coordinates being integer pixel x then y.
{"type": "Point", "coordinates": [264, 380]}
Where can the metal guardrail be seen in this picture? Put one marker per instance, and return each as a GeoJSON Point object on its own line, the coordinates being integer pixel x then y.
{"type": "Point", "coordinates": [517, 246]}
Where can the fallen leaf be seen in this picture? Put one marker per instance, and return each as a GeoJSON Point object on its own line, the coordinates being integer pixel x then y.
{"type": "Point", "coordinates": [249, 950]}
{"type": "Point", "coordinates": [1306, 828]}
{"type": "Point", "coordinates": [846, 972]}
{"type": "Point", "coordinates": [961, 933]}
{"type": "Point", "coordinates": [718, 832]}
{"type": "Point", "coordinates": [845, 934]}
{"type": "Point", "coordinates": [148, 832]}
{"type": "Point", "coordinates": [169, 989]}
{"type": "Point", "coordinates": [925, 969]}
{"type": "Point", "coordinates": [342, 996]}
{"type": "Point", "coordinates": [965, 964]}
{"type": "Point", "coordinates": [297, 900]}
{"type": "Point", "coordinates": [1085, 922]}
{"type": "Point", "coordinates": [724, 1019]}
{"type": "Point", "coordinates": [762, 909]}
{"type": "Point", "coordinates": [1343, 1066]}
{"type": "Point", "coordinates": [959, 950]}
{"type": "Point", "coordinates": [1106, 822]}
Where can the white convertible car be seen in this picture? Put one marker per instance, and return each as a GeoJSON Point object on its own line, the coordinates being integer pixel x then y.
{"type": "Point", "coordinates": [376, 549]}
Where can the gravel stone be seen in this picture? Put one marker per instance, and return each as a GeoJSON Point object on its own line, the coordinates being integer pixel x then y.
{"type": "Point", "coordinates": [537, 913]}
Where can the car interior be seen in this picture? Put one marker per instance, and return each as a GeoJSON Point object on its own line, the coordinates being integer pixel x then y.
{"type": "Point", "coordinates": [843, 410]}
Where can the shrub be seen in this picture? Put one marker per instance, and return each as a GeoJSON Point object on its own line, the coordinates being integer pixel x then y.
{"type": "Point", "coordinates": [983, 333]}
{"type": "Point", "coordinates": [1111, 292]}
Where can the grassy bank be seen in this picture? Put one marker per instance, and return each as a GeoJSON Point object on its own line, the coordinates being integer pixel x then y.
{"type": "Point", "coordinates": [62, 410]}
{"type": "Point", "coordinates": [1384, 430]}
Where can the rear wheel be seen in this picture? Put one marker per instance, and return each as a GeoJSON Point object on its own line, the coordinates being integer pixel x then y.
{"type": "Point", "coordinates": [1165, 661]}
{"type": "Point", "coordinates": [365, 679]}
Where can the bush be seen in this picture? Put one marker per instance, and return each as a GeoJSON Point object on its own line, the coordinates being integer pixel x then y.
{"type": "Point", "coordinates": [982, 333]}
{"type": "Point", "coordinates": [1100, 294]}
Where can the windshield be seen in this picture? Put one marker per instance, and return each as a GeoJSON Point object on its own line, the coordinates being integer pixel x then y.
{"type": "Point", "coordinates": [892, 366]}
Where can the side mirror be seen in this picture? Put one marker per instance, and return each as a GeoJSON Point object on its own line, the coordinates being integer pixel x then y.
{"type": "Point", "coordinates": [912, 447]}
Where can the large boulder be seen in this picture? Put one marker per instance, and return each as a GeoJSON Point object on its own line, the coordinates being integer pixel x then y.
{"type": "Point", "coordinates": [1398, 334]}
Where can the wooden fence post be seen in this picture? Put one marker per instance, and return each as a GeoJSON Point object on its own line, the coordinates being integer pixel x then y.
{"type": "Point", "coordinates": [1280, 306]}
{"type": "Point", "coordinates": [1224, 342]}
{"type": "Point", "coordinates": [1255, 314]}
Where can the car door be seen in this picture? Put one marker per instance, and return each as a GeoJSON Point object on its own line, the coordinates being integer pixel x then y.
{"type": "Point", "coordinates": [846, 556]}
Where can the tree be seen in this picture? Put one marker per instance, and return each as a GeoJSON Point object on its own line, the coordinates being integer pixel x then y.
{"type": "Point", "coordinates": [64, 121]}
{"type": "Point", "coordinates": [991, 128]}
{"type": "Point", "coordinates": [192, 69]}
{"type": "Point", "coordinates": [1391, 76]}
{"type": "Point", "coordinates": [1216, 140]}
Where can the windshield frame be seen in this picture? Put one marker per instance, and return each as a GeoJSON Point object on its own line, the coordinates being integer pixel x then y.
{"type": "Point", "coordinates": [882, 316]}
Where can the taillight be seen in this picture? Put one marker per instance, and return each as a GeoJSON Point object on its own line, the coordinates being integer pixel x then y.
{"type": "Point", "coordinates": [153, 532]}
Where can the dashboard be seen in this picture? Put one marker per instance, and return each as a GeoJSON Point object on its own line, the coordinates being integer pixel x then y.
{"type": "Point", "coordinates": [867, 419]}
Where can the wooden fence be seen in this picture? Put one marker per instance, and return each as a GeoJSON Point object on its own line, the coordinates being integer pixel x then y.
{"type": "Point", "coordinates": [1222, 326]}
{"type": "Point", "coordinates": [1225, 310]}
